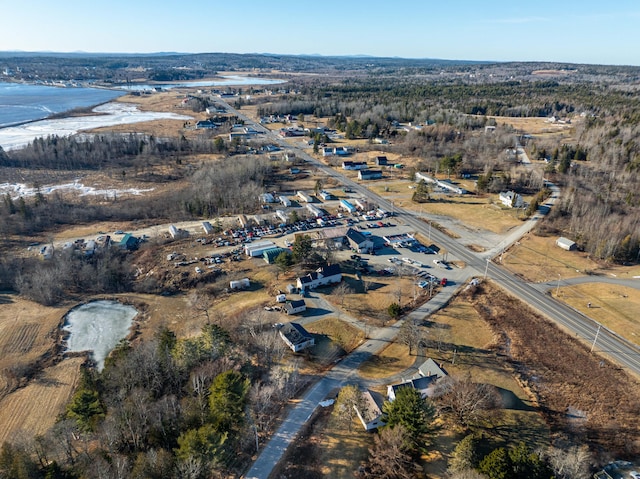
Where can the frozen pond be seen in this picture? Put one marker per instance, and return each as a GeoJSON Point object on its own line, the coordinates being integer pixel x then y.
{"type": "Point", "coordinates": [98, 327]}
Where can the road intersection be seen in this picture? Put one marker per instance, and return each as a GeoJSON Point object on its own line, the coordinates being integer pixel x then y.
{"type": "Point", "coordinates": [615, 347]}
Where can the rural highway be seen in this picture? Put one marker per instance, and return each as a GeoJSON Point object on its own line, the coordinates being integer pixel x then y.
{"type": "Point", "coordinates": [617, 348]}
{"type": "Point", "coordinates": [603, 340]}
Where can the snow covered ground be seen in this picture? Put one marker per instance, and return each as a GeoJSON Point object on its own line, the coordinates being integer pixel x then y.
{"type": "Point", "coordinates": [15, 190]}
{"type": "Point", "coordinates": [98, 326]}
{"type": "Point", "coordinates": [109, 114]}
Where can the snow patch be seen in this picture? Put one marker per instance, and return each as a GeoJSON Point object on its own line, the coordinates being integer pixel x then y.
{"type": "Point", "coordinates": [16, 190]}
{"type": "Point", "coordinates": [110, 114]}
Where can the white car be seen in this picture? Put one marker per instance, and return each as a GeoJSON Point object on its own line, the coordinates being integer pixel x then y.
{"type": "Point", "coordinates": [634, 475]}
{"type": "Point", "coordinates": [198, 270]}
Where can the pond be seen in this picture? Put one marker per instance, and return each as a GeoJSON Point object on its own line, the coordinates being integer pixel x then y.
{"type": "Point", "coordinates": [98, 327]}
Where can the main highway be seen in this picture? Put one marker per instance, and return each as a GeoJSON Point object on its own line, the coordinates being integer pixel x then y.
{"type": "Point", "coordinates": [623, 352]}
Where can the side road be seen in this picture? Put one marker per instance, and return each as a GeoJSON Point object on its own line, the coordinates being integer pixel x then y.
{"type": "Point", "coordinates": [345, 372]}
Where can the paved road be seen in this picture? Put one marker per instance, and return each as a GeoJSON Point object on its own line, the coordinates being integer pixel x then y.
{"type": "Point", "coordinates": [343, 373]}
{"type": "Point", "coordinates": [620, 350]}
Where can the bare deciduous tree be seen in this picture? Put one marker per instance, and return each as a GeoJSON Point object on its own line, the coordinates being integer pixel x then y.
{"type": "Point", "coordinates": [465, 399]}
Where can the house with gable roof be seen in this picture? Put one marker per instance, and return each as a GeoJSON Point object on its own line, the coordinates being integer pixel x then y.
{"type": "Point", "coordinates": [323, 276]}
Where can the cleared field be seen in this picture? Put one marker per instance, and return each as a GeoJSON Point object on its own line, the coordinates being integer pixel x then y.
{"type": "Point", "coordinates": [28, 334]}
{"type": "Point", "coordinates": [538, 259]}
{"type": "Point", "coordinates": [464, 343]}
{"type": "Point", "coordinates": [475, 211]}
{"type": "Point", "coordinates": [615, 307]}
{"type": "Point", "coordinates": [343, 450]}
{"type": "Point", "coordinates": [32, 410]}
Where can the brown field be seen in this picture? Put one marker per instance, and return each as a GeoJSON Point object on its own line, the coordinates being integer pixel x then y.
{"type": "Point", "coordinates": [615, 307]}
{"type": "Point", "coordinates": [33, 409]}
{"type": "Point", "coordinates": [537, 126]}
{"type": "Point", "coordinates": [561, 373]}
{"type": "Point", "coordinates": [391, 360]}
{"type": "Point", "coordinates": [538, 259]}
{"type": "Point", "coordinates": [476, 211]}
{"type": "Point", "coordinates": [324, 449]}
{"type": "Point", "coordinates": [28, 337]}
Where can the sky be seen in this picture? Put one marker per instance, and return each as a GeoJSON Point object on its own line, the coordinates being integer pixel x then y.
{"type": "Point", "coordinates": [572, 31]}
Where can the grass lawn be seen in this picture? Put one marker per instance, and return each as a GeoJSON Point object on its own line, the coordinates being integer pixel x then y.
{"type": "Point", "coordinates": [391, 360]}
{"type": "Point", "coordinates": [615, 307]}
{"type": "Point", "coordinates": [341, 333]}
{"type": "Point", "coordinates": [342, 451]}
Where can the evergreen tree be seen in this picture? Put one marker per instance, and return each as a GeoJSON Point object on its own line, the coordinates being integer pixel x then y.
{"type": "Point", "coordinates": [415, 413]}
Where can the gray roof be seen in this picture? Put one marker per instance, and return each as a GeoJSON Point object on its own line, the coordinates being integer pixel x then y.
{"type": "Point", "coordinates": [295, 333]}
{"type": "Point", "coordinates": [356, 236]}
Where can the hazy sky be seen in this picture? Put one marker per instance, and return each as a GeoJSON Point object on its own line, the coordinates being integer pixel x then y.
{"type": "Point", "coordinates": [577, 31]}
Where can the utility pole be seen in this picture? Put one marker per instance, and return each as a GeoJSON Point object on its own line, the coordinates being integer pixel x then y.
{"type": "Point", "coordinates": [486, 269]}
{"type": "Point", "coordinates": [558, 288]}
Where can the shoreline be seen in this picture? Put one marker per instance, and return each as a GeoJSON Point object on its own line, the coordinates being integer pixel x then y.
{"type": "Point", "coordinates": [63, 114]}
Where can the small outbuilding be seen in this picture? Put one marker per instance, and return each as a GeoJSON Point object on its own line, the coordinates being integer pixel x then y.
{"type": "Point", "coordinates": [295, 307]}
{"type": "Point", "coordinates": [566, 243]}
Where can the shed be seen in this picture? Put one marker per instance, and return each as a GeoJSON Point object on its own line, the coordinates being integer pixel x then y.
{"type": "Point", "coordinates": [566, 243]}
{"type": "Point", "coordinates": [240, 284]}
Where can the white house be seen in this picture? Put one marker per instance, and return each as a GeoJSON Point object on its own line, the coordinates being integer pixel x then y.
{"type": "Point", "coordinates": [371, 416]}
{"type": "Point", "coordinates": [267, 198]}
{"type": "Point", "coordinates": [295, 307]}
{"type": "Point", "coordinates": [511, 199]}
{"type": "Point", "coordinates": [424, 381]}
{"type": "Point", "coordinates": [323, 276]}
{"type": "Point", "coordinates": [354, 165]}
{"type": "Point", "coordinates": [286, 202]}
{"type": "Point", "coordinates": [282, 215]}
{"type": "Point", "coordinates": [314, 210]}
{"type": "Point", "coordinates": [296, 337]}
